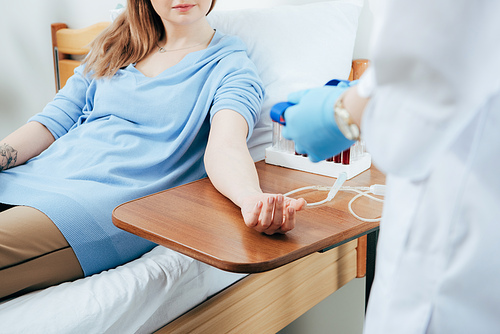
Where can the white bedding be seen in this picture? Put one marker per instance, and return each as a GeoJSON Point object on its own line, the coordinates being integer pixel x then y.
{"type": "Point", "coordinates": [138, 297]}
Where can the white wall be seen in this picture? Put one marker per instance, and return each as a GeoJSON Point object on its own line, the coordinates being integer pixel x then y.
{"type": "Point", "coordinates": [26, 80]}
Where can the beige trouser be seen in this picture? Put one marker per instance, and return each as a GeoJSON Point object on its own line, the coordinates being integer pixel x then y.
{"type": "Point", "coordinates": [33, 252]}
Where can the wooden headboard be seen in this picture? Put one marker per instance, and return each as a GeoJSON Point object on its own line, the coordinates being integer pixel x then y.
{"type": "Point", "coordinates": [358, 68]}
{"type": "Point", "coordinates": [67, 43]}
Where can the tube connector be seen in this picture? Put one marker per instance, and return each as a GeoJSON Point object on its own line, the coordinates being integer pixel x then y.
{"type": "Point", "coordinates": [378, 189]}
{"type": "Point", "coordinates": [336, 186]}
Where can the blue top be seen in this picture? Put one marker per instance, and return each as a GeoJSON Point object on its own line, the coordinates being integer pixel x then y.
{"type": "Point", "coordinates": [126, 137]}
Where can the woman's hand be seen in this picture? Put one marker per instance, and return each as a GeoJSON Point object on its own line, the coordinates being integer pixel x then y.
{"type": "Point", "coordinates": [271, 213]}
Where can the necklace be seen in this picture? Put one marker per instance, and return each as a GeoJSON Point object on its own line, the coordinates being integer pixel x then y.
{"type": "Point", "coordinates": [161, 49]}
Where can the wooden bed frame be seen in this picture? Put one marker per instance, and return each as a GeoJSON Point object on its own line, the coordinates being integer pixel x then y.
{"type": "Point", "coordinates": [259, 303]}
{"type": "Point", "coordinates": [269, 301]}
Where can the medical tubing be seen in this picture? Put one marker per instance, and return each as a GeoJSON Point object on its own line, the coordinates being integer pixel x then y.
{"type": "Point", "coordinates": [366, 194]}
{"type": "Point", "coordinates": [375, 189]}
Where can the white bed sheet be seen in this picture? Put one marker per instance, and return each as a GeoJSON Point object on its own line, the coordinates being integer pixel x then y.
{"type": "Point", "coordinates": [138, 297]}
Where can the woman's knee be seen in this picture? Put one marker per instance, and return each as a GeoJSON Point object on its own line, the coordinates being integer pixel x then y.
{"type": "Point", "coordinates": [33, 252]}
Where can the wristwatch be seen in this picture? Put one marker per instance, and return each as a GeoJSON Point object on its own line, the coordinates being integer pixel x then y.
{"type": "Point", "coordinates": [348, 128]}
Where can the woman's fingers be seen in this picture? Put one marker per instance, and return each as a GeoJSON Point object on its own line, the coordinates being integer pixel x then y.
{"type": "Point", "coordinates": [266, 215]}
{"type": "Point", "coordinates": [277, 218]}
{"type": "Point", "coordinates": [252, 219]}
{"type": "Point", "coordinates": [273, 214]}
{"type": "Point", "coordinates": [289, 221]}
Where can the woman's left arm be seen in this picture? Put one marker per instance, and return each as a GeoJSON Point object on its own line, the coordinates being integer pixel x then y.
{"type": "Point", "coordinates": [232, 171]}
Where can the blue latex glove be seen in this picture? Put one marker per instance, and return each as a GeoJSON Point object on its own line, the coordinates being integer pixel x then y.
{"type": "Point", "coordinates": [310, 123]}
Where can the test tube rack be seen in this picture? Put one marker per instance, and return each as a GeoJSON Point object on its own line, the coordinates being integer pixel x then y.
{"type": "Point", "coordinates": [282, 153]}
{"type": "Point", "coordinates": [327, 168]}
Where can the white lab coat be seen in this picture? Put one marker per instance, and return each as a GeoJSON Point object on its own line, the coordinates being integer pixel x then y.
{"type": "Point", "coordinates": [433, 126]}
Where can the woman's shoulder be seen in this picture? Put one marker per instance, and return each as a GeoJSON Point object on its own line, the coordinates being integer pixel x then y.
{"type": "Point", "coordinates": [222, 41]}
{"type": "Point", "coordinates": [228, 49]}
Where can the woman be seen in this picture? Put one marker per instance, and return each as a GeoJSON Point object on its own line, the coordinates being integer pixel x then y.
{"type": "Point", "coordinates": [160, 98]}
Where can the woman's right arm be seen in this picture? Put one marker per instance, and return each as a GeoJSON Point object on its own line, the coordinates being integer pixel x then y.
{"type": "Point", "coordinates": [23, 144]}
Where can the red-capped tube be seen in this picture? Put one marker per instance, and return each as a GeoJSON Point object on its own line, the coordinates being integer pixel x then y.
{"type": "Point", "coordinates": [346, 157]}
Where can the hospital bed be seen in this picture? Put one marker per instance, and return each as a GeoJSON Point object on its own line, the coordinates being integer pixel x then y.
{"type": "Point", "coordinates": [294, 47]}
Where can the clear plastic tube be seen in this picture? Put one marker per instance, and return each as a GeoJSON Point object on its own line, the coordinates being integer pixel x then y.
{"type": "Point", "coordinates": [376, 189]}
{"type": "Point", "coordinates": [276, 134]}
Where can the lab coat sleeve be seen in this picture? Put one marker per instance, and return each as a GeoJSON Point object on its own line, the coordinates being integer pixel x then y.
{"type": "Point", "coordinates": [427, 61]}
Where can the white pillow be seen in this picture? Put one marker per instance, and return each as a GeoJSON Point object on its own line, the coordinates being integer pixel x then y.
{"type": "Point", "coordinates": [294, 48]}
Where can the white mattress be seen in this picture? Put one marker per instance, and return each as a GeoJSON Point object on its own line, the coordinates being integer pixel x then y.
{"type": "Point", "coordinates": [138, 297]}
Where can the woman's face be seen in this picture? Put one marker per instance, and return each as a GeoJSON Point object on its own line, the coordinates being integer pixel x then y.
{"type": "Point", "coordinates": [181, 12]}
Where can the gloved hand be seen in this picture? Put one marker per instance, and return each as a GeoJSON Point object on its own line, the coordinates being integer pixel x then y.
{"type": "Point", "coordinates": [310, 123]}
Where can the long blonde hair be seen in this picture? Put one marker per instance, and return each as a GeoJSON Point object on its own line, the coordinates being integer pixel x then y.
{"type": "Point", "coordinates": [130, 38]}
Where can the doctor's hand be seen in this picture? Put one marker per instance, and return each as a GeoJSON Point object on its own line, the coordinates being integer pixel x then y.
{"type": "Point", "coordinates": [271, 213]}
{"type": "Point", "coordinates": [310, 123]}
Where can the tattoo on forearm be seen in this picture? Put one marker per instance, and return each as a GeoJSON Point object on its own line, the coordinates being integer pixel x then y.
{"type": "Point", "coordinates": [8, 157]}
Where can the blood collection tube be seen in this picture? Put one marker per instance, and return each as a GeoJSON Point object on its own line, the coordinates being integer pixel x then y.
{"type": "Point", "coordinates": [346, 155]}
{"type": "Point", "coordinates": [338, 158]}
